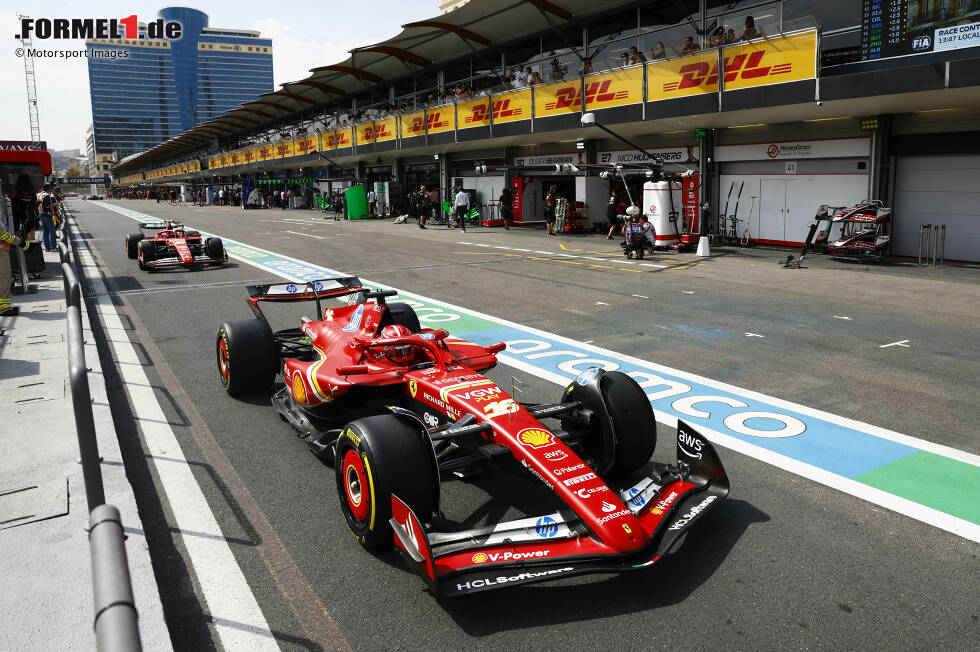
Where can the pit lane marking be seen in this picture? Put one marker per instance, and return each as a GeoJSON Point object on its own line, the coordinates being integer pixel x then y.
{"type": "Point", "coordinates": [817, 456]}
{"type": "Point", "coordinates": [309, 235]}
{"type": "Point", "coordinates": [903, 343]}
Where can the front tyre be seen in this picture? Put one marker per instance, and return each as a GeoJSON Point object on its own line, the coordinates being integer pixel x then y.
{"type": "Point", "coordinates": [247, 356]}
{"type": "Point", "coordinates": [132, 244]}
{"type": "Point", "coordinates": [145, 254]}
{"type": "Point", "coordinates": [376, 457]}
{"type": "Point", "coordinates": [215, 249]}
{"type": "Point", "coordinates": [623, 428]}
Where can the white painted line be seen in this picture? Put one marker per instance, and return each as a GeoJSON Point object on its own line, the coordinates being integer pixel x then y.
{"type": "Point", "coordinates": [903, 343]}
{"type": "Point", "coordinates": [640, 296]}
{"type": "Point", "coordinates": [465, 243]}
{"type": "Point", "coordinates": [567, 256]}
{"type": "Point", "coordinates": [654, 265]}
{"type": "Point", "coordinates": [688, 291]}
{"type": "Point", "coordinates": [481, 245]}
{"type": "Point", "coordinates": [594, 258]}
{"type": "Point", "coordinates": [753, 335]}
{"type": "Point", "coordinates": [842, 317]}
{"type": "Point", "coordinates": [546, 253]}
{"type": "Point", "coordinates": [522, 250]}
{"type": "Point", "coordinates": [228, 596]}
{"type": "Point", "coordinates": [588, 341]}
{"type": "Point", "coordinates": [499, 247]}
{"type": "Point", "coordinates": [601, 303]}
{"type": "Point", "coordinates": [308, 235]}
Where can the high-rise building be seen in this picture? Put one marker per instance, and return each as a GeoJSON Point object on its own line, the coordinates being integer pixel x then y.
{"type": "Point", "coordinates": [146, 90]}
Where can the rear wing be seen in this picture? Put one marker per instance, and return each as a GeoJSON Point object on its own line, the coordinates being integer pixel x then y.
{"type": "Point", "coordinates": [327, 288]}
{"type": "Point", "coordinates": [162, 224]}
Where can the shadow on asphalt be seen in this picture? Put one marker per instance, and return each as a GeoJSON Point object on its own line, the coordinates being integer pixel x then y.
{"type": "Point", "coordinates": [669, 582]}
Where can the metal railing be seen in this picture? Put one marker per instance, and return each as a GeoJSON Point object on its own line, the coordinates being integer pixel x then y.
{"type": "Point", "coordinates": [116, 618]}
{"type": "Point", "coordinates": [934, 236]}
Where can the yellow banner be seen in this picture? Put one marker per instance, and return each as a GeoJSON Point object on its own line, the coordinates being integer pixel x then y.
{"type": "Point", "coordinates": [385, 130]}
{"type": "Point", "coordinates": [748, 65]}
{"type": "Point", "coordinates": [266, 152]}
{"type": "Point", "coordinates": [440, 119]}
{"type": "Point", "coordinates": [284, 149]}
{"type": "Point", "coordinates": [475, 113]}
{"type": "Point", "coordinates": [328, 141]}
{"type": "Point", "coordinates": [602, 91]}
{"type": "Point", "coordinates": [306, 145]}
{"type": "Point", "coordinates": [511, 107]}
{"type": "Point", "coordinates": [786, 59]}
{"type": "Point", "coordinates": [343, 138]}
{"type": "Point", "coordinates": [413, 124]}
{"type": "Point", "coordinates": [365, 133]}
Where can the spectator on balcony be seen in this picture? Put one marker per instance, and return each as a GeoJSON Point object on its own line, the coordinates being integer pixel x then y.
{"type": "Point", "coordinates": [556, 73]}
{"type": "Point", "coordinates": [717, 37]}
{"type": "Point", "coordinates": [587, 67]}
{"type": "Point", "coordinates": [523, 76]}
{"type": "Point", "coordinates": [624, 60]}
{"type": "Point", "coordinates": [658, 52]}
{"type": "Point", "coordinates": [750, 31]}
{"type": "Point", "coordinates": [690, 45]}
{"type": "Point", "coordinates": [513, 80]}
{"type": "Point", "coordinates": [636, 57]}
{"type": "Point", "coordinates": [535, 79]}
{"type": "Point", "coordinates": [730, 36]}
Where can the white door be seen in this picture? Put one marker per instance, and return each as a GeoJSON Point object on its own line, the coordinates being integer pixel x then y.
{"type": "Point", "coordinates": [772, 210]}
{"type": "Point", "coordinates": [801, 207]}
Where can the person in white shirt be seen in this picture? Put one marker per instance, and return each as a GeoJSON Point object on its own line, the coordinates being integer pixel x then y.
{"type": "Point", "coordinates": [523, 76]}
{"type": "Point", "coordinates": [461, 206]}
{"type": "Point", "coordinates": [372, 200]}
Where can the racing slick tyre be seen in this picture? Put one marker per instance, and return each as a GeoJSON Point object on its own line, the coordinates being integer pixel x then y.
{"type": "Point", "coordinates": [247, 356]}
{"type": "Point", "coordinates": [215, 249]}
{"type": "Point", "coordinates": [623, 442]}
{"type": "Point", "coordinates": [404, 315]}
{"type": "Point", "coordinates": [145, 254]}
{"type": "Point", "coordinates": [376, 457]}
{"type": "Point", "coordinates": [132, 244]}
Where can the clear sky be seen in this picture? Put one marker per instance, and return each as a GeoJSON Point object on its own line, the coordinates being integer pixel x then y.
{"type": "Point", "coordinates": [304, 35]}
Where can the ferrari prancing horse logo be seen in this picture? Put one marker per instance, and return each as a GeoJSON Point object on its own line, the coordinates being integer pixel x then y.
{"type": "Point", "coordinates": [413, 387]}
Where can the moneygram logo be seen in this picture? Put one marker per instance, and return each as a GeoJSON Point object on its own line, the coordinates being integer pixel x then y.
{"type": "Point", "coordinates": [595, 93]}
{"type": "Point", "coordinates": [92, 28]}
{"type": "Point", "coordinates": [742, 66]}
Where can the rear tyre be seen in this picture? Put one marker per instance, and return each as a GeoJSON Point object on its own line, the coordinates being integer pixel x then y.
{"type": "Point", "coordinates": [404, 314]}
{"type": "Point", "coordinates": [247, 356]}
{"type": "Point", "coordinates": [376, 457]}
{"type": "Point", "coordinates": [132, 244]}
{"type": "Point", "coordinates": [215, 249]}
{"type": "Point", "coordinates": [623, 442]}
{"type": "Point", "coordinates": [145, 254]}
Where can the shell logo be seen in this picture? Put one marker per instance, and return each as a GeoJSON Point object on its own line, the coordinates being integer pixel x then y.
{"type": "Point", "coordinates": [413, 388]}
{"type": "Point", "coordinates": [535, 437]}
{"type": "Point", "coordinates": [299, 389]}
{"type": "Point", "coordinates": [479, 558]}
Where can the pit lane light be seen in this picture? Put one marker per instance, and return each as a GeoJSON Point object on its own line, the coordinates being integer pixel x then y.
{"type": "Point", "coordinates": [481, 168]}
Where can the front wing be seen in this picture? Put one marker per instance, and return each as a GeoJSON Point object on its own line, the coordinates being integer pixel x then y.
{"type": "Point", "coordinates": [566, 549]}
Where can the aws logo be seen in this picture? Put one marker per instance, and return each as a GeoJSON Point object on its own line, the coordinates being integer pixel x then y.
{"type": "Point", "coordinates": [742, 66]}
{"type": "Point", "coordinates": [596, 92]}
{"type": "Point", "coordinates": [501, 109]}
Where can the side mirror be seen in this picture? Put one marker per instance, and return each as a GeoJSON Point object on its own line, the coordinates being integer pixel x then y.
{"type": "Point", "coordinates": [496, 348]}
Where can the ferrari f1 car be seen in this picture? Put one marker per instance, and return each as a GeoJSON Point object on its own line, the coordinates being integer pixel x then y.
{"type": "Point", "coordinates": [168, 244]}
{"type": "Point", "coordinates": [396, 408]}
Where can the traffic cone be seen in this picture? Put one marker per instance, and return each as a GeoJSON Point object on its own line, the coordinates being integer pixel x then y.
{"type": "Point", "coordinates": [704, 247]}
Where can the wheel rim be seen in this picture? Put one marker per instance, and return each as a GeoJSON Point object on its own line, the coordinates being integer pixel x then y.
{"type": "Point", "coordinates": [223, 358]}
{"type": "Point", "coordinates": [355, 486]}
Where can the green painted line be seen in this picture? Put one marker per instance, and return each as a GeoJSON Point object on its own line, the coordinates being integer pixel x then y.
{"type": "Point", "coordinates": [932, 480]}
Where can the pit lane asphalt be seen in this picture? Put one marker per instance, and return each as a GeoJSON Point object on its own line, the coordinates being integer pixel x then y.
{"type": "Point", "coordinates": [785, 563]}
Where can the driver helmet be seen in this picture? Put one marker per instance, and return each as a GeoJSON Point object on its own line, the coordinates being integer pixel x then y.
{"type": "Point", "coordinates": [401, 353]}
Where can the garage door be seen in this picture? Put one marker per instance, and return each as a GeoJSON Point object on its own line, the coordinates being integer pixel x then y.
{"type": "Point", "coordinates": [938, 190]}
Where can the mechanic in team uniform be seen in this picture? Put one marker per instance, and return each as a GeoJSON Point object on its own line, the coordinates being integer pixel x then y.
{"type": "Point", "coordinates": [461, 206]}
{"type": "Point", "coordinates": [7, 242]}
{"type": "Point", "coordinates": [506, 207]}
{"type": "Point", "coordinates": [550, 200]}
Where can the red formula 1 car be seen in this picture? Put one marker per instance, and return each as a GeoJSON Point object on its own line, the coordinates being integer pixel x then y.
{"type": "Point", "coordinates": [168, 244]}
{"type": "Point", "coordinates": [396, 408]}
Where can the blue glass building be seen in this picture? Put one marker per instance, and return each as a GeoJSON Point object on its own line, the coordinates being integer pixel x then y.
{"type": "Point", "coordinates": [145, 91]}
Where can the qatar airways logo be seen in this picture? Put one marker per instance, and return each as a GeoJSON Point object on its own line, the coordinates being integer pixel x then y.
{"type": "Point", "coordinates": [92, 28]}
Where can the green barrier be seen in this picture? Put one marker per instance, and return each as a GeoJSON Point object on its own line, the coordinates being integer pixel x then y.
{"type": "Point", "coordinates": [355, 198]}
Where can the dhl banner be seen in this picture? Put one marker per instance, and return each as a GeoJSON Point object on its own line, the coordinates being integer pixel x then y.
{"type": "Point", "coordinates": [266, 152]}
{"type": "Point", "coordinates": [601, 91]}
{"type": "Point", "coordinates": [343, 138]}
{"type": "Point", "coordinates": [328, 141]}
{"type": "Point", "coordinates": [225, 159]}
{"type": "Point", "coordinates": [248, 156]}
{"type": "Point", "coordinates": [236, 158]}
{"type": "Point", "coordinates": [284, 149]}
{"type": "Point", "coordinates": [511, 107]}
{"type": "Point", "coordinates": [365, 133]}
{"type": "Point", "coordinates": [771, 61]}
{"type": "Point", "coordinates": [475, 113]}
{"type": "Point", "coordinates": [440, 119]}
{"type": "Point", "coordinates": [413, 124]}
{"type": "Point", "coordinates": [304, 145]}
{"type": "Point", "coordinates": [385, 130]}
